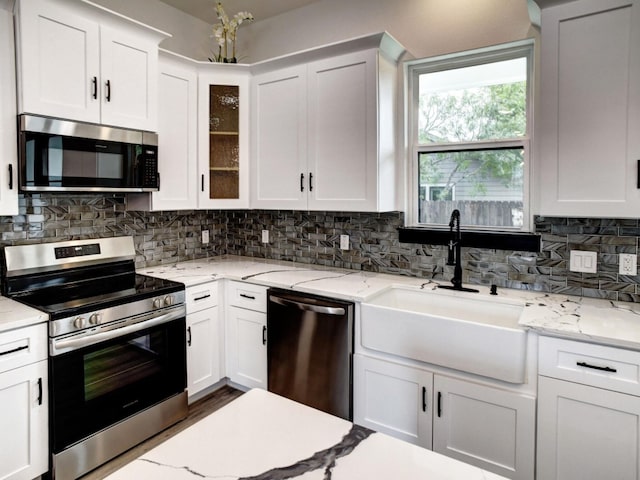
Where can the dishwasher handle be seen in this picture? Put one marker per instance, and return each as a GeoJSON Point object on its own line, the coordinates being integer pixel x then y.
{"type": "Point", "coordinates": [285, 302]}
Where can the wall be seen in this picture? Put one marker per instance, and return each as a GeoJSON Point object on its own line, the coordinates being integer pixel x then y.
{"type": "Point", "coordinates": [313, 237]}
{"type": "Point", "coordinates": [191, 36]}
{"type": "Point", "coordinates": [425, 27]}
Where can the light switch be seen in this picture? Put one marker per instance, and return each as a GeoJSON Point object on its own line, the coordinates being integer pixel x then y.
{"type": "Point", "coordinates": [583, 261]}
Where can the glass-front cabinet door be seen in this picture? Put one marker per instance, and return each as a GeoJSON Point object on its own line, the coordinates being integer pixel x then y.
{"type": "Point", "coordinates": [224, 139]}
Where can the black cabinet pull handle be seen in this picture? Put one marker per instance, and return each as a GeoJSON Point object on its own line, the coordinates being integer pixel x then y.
{"type": "Point", "coordinates": [202, 183]}
{"type": "Point", "coordinates": [310, 182]}
{"type": "Point", "coordinates": [439, 404]}
{"type": "Point", "coordinates": [94, 82]}
{"type": "Point", "coordinates": [596, 367]}
{"type": "Point", "coordinates": [302, 182]}
{"type": "Point", "coordinates": [11, 176]}
{"type": "Point", "coordinates": [202, 297]}
{"type": "Point", "coordinates": [244, 295]}
{"type": "Point", "coordinates": [108, 95]}
{"type": "Point", "coordinates": [424, 399]}
{"type": "Point", "coordinates": [264, 334]}
{"type": "Point", "coordinates": [40, 391]}
{"type": "Point", "coordinates": [188, 336]}
{"type": "Point", "coordinates": [14, 350]}
{"type": "Point", "coordinates": [158, 180]}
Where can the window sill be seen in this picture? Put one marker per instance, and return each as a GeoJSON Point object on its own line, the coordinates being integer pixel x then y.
{"type": "Point", "coordinates": [524, 242]}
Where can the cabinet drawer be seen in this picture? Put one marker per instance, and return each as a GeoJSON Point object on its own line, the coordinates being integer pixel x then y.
{"type": "Point", "coordinates": [201, 297]}
{"type": "Point", "coordinates": [247, 295]}
{"type": "Point", "coordinates": [597, 365]}
{"type": "Point", "coordinates": [23, 346]}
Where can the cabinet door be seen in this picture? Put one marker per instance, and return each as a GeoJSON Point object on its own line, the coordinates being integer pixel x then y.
{"type": "Point", "coordinates": [586, 432]}
{"type": "Point", "coordinates": [203, 350]}
{"type": "Point", "coordinates": [129, 67]}
{"type": "Point", "coordinates": [487, 427]}
{"type": "Point", "coordinates": [8, 131]}
{"type": "Point", "coordinates": [224, 140]}
{"type": "Point", "coordinates": [24, 444]}
{"type": "Point", "coordinates": [247, 347]}
{"type": "Point", "coordinates": [588, 146]}
{"type": "Point", "coordinates": [279, 174]}
{"type": "Point", "coordinates": [393, 399]}
{"type": "Point", "coordinates": [59, 62]}
{"type": "Point", "coordinates": [177, 142]}
{"type": "Point", "coordinates": [343, 132]}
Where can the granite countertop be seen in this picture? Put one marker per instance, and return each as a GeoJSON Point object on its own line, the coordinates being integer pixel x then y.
{"type": "Point", "coordinates": [16, 315]}
{"type": "Point", "coordinates": [580, 318]}
{"type": "Point", "coordinates": [263, 436]}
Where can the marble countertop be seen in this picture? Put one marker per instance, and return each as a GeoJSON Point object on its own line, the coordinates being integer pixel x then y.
{"type": "Point", "coordinates": [580, 318]}
{"type": "Point", "coordinates": [16, 315]}
{"type": "Point", "coordinates": [263, 436]}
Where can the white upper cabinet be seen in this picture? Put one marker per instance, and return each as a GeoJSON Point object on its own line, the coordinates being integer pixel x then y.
{"type": "Point", "coordinates": [343, 133]}
{"type": "Point", "coordinates": [129, 68]}
{"type": "Point", "coordinates": [323, 131]}
{"type": "Point", "coordinates": [177, 139]}
{"type": "Point", "coordinates": [80, 62]}
{"type": "Point", "coordinates": [279, 139]}
{"type": "Point", "coordinates": [8, 130]}
{"type": "Point", "coordinates": [588, 145]}
{"type": "Point", "coordinates": [223, 138]}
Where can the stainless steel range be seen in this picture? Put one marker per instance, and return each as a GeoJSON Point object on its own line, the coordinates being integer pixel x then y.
{"type": "Point", "coordinates": [117, 346]}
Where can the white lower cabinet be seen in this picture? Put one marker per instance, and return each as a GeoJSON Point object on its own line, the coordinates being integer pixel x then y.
{"type": "Point", "coordinates": [394, 399]}
{"type": "Point", "coordinates": [24, 420]}
{"type": "Point", "coordinates": [587, 429]}
{"type": "Point", "coordinates": [204, 338]}
{"type": "Point", "coordinates": [489, 427]}
{"type": "Point", "coordinates": [247, 335]}
{"type": "Point", "coordinates": [586, 432]}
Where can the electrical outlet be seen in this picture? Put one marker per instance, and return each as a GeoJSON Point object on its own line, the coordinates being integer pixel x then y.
{"type": "Point", "coordinates": [583, 261]}
{"type": "Point", "coordinates": [265, 236]}
{"type": "Point", "coordinates": [628, 264]}
{"type": "Point", "coordinates": [205, 237]}
{"type": "Point", "coordinates": [344, 242]}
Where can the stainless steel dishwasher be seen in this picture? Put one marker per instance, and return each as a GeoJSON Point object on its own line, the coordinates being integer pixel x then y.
{"type": "Point", "coordinates": [309, 350]}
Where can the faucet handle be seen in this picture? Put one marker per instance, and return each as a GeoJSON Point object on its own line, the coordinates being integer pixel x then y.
{"type": "Point", "coordinates": [493, 290]}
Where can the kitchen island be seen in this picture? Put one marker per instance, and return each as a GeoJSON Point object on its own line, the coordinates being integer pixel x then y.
{"type": "Point", "coordinates": [264, 436]}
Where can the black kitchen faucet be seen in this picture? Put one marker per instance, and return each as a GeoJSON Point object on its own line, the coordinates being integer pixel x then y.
{"type": "Point", "coordinates": [455, 256]}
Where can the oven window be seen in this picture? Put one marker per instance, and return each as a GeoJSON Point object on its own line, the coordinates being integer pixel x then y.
{"type": "Point", "coordinates": [117, 366]}
{"type": "Point", "coordinates": [99, 385]}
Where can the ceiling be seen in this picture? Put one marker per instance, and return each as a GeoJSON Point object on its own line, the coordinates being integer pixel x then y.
{"type": "Point", "coordinates": [261, 9]}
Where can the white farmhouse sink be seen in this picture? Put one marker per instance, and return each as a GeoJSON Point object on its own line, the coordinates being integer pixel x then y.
{"type": "Point", "coordinates": [473, 334]}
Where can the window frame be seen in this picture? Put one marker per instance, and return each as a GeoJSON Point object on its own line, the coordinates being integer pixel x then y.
{"type": "Point", "coordinates": [413, 69]}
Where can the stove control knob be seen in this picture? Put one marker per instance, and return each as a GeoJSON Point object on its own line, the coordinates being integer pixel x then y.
{"type": "Point", "coordinates": [95, 318]}
{"type": "Point", "coordinates": [168, 300]}
{"type": "Point", "coordinates": [157, 303]}
{"type": "Point", "coordinates": [78, 322]}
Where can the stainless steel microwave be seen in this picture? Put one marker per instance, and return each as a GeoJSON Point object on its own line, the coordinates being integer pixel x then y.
{"type": "Point", "coordinates": [63, 156]}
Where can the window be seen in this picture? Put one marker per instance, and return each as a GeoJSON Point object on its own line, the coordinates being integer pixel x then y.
{"type": "Point", "coordinates": [469, 121]}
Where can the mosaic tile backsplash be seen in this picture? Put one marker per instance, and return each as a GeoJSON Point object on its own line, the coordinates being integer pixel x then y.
{"type": "Point", "coordinates": [314, 237]}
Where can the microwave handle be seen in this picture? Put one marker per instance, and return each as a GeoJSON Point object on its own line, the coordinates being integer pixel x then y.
{"type": "Point", "coordinates": [10, 176]}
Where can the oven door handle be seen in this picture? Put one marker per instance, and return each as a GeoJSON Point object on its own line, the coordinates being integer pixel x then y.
{"type": "Point", "coordinates": [64, 345]}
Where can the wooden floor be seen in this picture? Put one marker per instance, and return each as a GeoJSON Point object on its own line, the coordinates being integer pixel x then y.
{"type": "Point", "coordinates": [197, 411]}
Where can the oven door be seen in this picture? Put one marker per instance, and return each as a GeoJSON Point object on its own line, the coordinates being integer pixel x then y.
{"type": "Point", "coordinates": [96, 386]}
